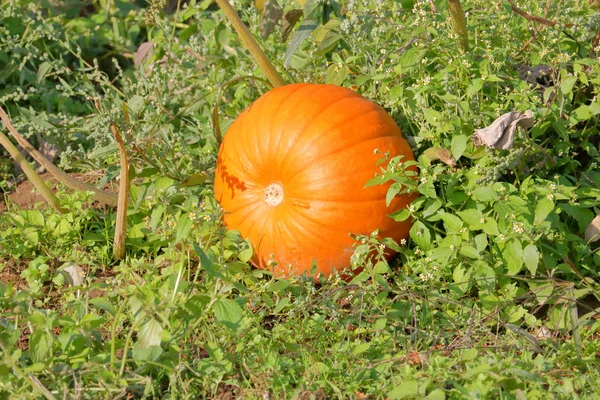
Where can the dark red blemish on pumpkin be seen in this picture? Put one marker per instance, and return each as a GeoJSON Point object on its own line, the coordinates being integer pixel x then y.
{"type": "Point", "coordinates": [232, 181]}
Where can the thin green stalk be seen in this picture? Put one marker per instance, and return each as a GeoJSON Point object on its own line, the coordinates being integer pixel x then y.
{"type": "Point", "coordinates": [459, 24]}
{"type": "Point", "coordinates": [31, 174]}
{"type": "Point", "coordinates": [250, 44]}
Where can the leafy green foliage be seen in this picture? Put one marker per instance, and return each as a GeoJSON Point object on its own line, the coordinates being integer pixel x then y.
{"type": "Point", "coordinates": [494, 294]}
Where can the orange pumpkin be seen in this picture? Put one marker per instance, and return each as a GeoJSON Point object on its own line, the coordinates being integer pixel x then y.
{"type": "Point", "coordinates": [291, 173]}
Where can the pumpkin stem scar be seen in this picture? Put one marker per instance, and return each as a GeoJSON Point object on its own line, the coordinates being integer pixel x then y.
{"type": "Point", "coordinates": [273, 194]}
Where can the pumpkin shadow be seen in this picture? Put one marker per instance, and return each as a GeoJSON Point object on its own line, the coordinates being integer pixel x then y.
{"type": "Point", "coordinates": [231, 181]}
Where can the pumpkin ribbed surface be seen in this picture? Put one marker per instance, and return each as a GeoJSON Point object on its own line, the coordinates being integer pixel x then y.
{"type": "Point", "coordinates": [291, 173]}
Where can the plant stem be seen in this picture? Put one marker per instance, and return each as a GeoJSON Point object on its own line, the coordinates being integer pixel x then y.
{"type": "Point", "coordinates": [459, 24]}
{"type": "Point", "coordinates": [30, 173]}
{"type": "Point", "coordinates": [250, 44]}
{"type": "Point", "coordinates": [99, 195]}
{"type": "Point", "coordinates": [123, 197]}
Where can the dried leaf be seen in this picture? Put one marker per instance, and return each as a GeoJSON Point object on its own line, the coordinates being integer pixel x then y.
{"type": "Point", "coordinates": [272, 13]}
{"type": "Point", "coordinates": [437, 153]}
{"type": "Point", "coordinates": [143, 53]}
{"type": "Point", "coordinates": [501, 132]}
{"type": "Point", "coordinates": [289, 21]}
{"type": "Point", "coordinates": [592, 233]}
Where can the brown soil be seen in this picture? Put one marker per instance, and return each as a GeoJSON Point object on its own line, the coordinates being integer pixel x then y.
{"type": "Point", "coordinates": [25, 196]}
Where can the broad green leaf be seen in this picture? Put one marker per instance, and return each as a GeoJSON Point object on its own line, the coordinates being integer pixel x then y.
{"type": "Point", "coordinates": [458, 146]}
{"type": "Point", "coordinates": [150, 333]}
{"type": "Point", "coordinates": [513, 256]}
{"type": "Point", "coordinates": [278, 285]}
{"type": "Point", "coordinates": [481, 242]}
{"type": "Point", "coordinates": [184, 226]}
{"type": "Point", "coordinates": [151, 353]}
{"type": "Point", "coordinates": [420, 234]}
{"type": "Point", "coordinates": [206, 263]}
{"type": "Point", "coordinates": [490, 227]}
{"type": "Point", "coordinates": [228, 312]}
{"type": "Point", "coordinates": [104, 304]}
{"type": "Point", "coordinates": [542, 209]}
{"type": "Point", "coordinates": [33, 217]}
{"type": "Point", "coordinates": [452, 223]}
{"type": "Point", "coordinates": [583, 216]}
{"type": "Point", "coordinates": [361, 348]}
{"type": "Point", "coordinates": [408, 389]}
{"type": "Point", "coordinates": [566, 86]}
{"type": "Point", "coordinates": [281, 305]}
{"type": "Point", "coordinates": [43, 69]}
{"type": "Point", "coordinates": [486, 194]}
{"type": "Point", "coordinates": [475, 86]}
{"type": "Point", "coordinates": [531, 258]}
{"type": "Point", "coordinates": [436, 394]}
{"type": "Point", "coordinates": [469, 251]}
{"type": "Point", "coordinates": [163, 183]}
{"type": "Point", "coordinates": [336, 74]}
{"type": "Point", "coordinates": [40, 346]}
{"type": "Point", "coordinates": [472, 218]}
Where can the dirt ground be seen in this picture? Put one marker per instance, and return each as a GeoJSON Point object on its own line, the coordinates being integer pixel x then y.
{"type": "Point", "coordinates": [25, 196]}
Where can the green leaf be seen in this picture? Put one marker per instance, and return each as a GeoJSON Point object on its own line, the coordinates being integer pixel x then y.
{"type": "Point", "coordinates": [33, 217]}
{"type": "Point", "coordinates": [228, 312]}
{"type": "Point", "coordinates": [278, 285]}
{"type": "Point", "coordinates": [458, 146]}
{"type": "Point", "coordinates": [104, 304]}
{"type": "Point", "coordinates": [281, 305]}
{"type": "Point", "coordinates": [436, 394]}
{"type": "Point", "coordinates": [303, 32]}
{"type": "Point", "coordinates": [184, 226]}
{"type": "Point", "coordinates": [406, 389]}
{"type": "Point", "coordinates": [475, 86]}
{"type": "Point", "coordinates": [513, 255]}
{"type": "Point", "coordinates": [163, 183]}
{"type": "Point", "coordinates": [336, 74]}
{"type": "Point", "coordinates": [490, 227]}
{"type": "Point", "coordinates": [566, 86]}
{"type": "Point", "coordinates": [481, 242]}
{"type": "Point", "coordinates": [469, 251]}
{"type": "Point", "coordinates": [420, 234]}
{"type": "Point", "coordinates": [151, 353]}
{"type": "Point", "coordinates": [40, 346]}
{"type": "Point", "coordinates": [206, 263]}
{"type": "Point", "coordinates": [361, 348]}
{"type": "Point", "coordinates": [472, 218]}
{"type": "Point", "coordinates": [150, 333]}
{"type": "Point", "coordinates": [43, 69]}
{"type": "Point", "coordinates": [583, 215]}
{"type": "Point", "coordinates": [542, 209]}
{"type": "Point", "coordinates": [452, 223]}
{"type": "Point", "coordinates": [531, 258]}
{"type": "Point", "coordinates": [485, 194]}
